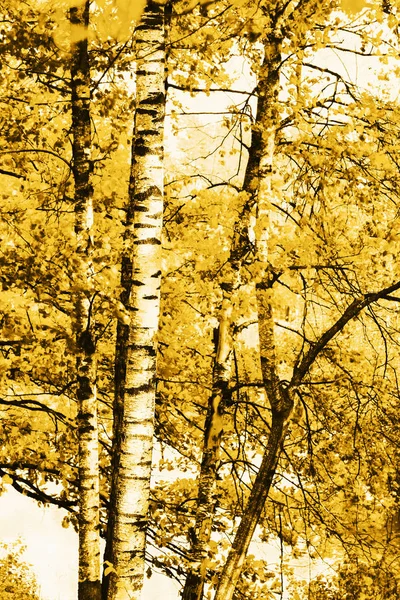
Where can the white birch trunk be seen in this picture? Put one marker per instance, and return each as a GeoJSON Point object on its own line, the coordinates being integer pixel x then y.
{"type": "Point", "coordinates": [89, 533]}
{"type": "Point", "coordinates": [143, 246]}
{"type": "Point", "coordinates": [258, 184]}
{"type": "Point", "coordinates": [207, 479]}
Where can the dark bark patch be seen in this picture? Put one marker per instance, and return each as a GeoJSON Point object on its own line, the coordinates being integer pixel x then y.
{"type": "Point", "coordinates": [85, 416]}
{"type": "Point", "coordinates": [146, 387]}
{"type": "Point", "coordinates": [151, 19]}
{"type": "Point", "coordinates": [149, 132]}
{"type": "Point", "coordinates": [135, 477]}
{"type": "Point", "coordinates": [142, 437]}
{"type": "Point", "coordinates": [149, 349]}
{"type": "Point", "coordinates": [85, 389]}
{"type": "Point", "coordinates": [137, 283]}
{"type": "Point", "coordinates": [141, 148]}
{"type": "Point", "coordinates": [155, 215]}
{"type": "Point", "coordinates": [157, 98]}
{"type": "Point", "coordinates": [144, 463]}
{"type": "Point", "coordinates": [150, 297]}
{"type": "Point", "coordinates": [86, 343]}
{"type": "Point", "coordinates": [89, 590]}
{"type": "Point", "coordinates": [152, 191]}
{"type": "Point", "coordinates": [85, 429]}
{"type": "Point", "coordinates": [150, 241]}
{"type": "Point", "coordinates": [152, 112]}
{"type": "Point", "coordinates": [156, 274]}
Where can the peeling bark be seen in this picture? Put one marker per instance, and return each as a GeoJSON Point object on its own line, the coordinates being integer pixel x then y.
{"type": "Point", "coordinates": [89, 533]}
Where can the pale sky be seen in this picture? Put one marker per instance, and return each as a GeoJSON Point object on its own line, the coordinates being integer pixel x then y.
{"type": "Point", "coordinates": [51, 550]}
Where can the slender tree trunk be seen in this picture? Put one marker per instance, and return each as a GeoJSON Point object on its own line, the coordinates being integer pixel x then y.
{"type": "Point", "coordinates": [279, 393]}
{"type": "Point", "coordinates": [143, 249]}
{"type": "Point", "coordinates": [259, 493]}
{"type": "Point", "coordinates": [258, 183]}
{"type": "Point", "coordinates": [89, 533]}
{"type": "Point", "coordinates": [121, 345]}
{"type": "Point", "coordinates": [281, 407]}
{"type": "Point", "coordinates": [240, 248]}
{"type": "Point", "coordinates": [207, 480]}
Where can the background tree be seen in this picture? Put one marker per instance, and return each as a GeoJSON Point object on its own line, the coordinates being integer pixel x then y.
{"type": "Point", "coordinates": [84, 297]}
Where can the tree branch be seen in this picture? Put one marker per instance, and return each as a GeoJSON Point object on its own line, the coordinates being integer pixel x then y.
{"type": "Point", "coordinates": [35, 405]}
{"type": "Point", "coordinates": [36, 494]}
{"type": "Point", "coordinates": [11, 174]}
{"type": "Point", "coordinates": [352, 311]}
{"type": "Point", "coordinates": [40, 151]}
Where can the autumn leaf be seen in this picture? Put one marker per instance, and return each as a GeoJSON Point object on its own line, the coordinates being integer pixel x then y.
{"type": "Point", "coordinates": [354, 6]}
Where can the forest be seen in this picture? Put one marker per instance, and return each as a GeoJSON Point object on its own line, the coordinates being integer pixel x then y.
{"type": "Point", "coordinates": [200, 292]}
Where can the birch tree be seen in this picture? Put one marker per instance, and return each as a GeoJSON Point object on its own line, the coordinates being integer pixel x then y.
{"type": "Point", "coordinates": [258, 170]}
{"type": "Point", "coordinates": [206, 410]}
{"type": "Point", "coordinates": [89, 527]}
{"type": "Point", "coordinates": [141, 276]}
{"type": "Point", "coordinates": [280, 393]}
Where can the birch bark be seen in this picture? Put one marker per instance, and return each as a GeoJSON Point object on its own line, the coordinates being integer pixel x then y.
{"type": "Point", "coordinates": [258, 184]}
{"type": "Point", "coordinates": [214, 422]}
{"type": "Point", "coordinates": [143, 251]}
{"type": "Point", "coordinates": [257, 174]}
{"type": "Point", "coordinates": [89, 533]}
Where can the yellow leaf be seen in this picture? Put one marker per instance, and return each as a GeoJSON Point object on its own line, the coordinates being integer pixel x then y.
{"type": "Point", "coordinates": [78, 33]}
{"type": "Point", "coordinates": [65, 523]}
{"type": "Point", "coordinates": [109, 568]}
{"type": "Point", "coordinates": [133, 9]}
{"type": "Point", "coordinates": [353, 6]}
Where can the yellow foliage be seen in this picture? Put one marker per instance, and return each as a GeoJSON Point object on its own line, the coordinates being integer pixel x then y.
{"type": "Point", "coordinates": [353, 6]}
{"type": "Point", "coordinates": [65, 523]}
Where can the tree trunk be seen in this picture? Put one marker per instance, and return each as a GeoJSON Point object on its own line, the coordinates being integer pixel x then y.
{"type": "Point", "coordinates": [281, 407]}
{"type": "Point", "coordinates": [207, 480]}
{"type": "Point", "coordinates": [259, 493]}
{"type": "Point", "coordinates": [118, 413]}
{"type": "Point", "coordinates": [143, 248]}
{"type": "Point", "coordinates": [121, 345]}
{"type": "Point", "coordinates": [262, 139]}
{"type": "Point", "coordinates": [89, 533]}
{"type": "Point", "coordinates": [258, 183]}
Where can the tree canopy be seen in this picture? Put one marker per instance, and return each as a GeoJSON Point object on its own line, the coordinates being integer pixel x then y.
{"type": "Point", "coordinates": [199, 275]}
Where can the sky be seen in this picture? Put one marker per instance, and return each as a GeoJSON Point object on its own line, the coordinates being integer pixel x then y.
{"type": "Point", "coordinates": [51, 549]}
